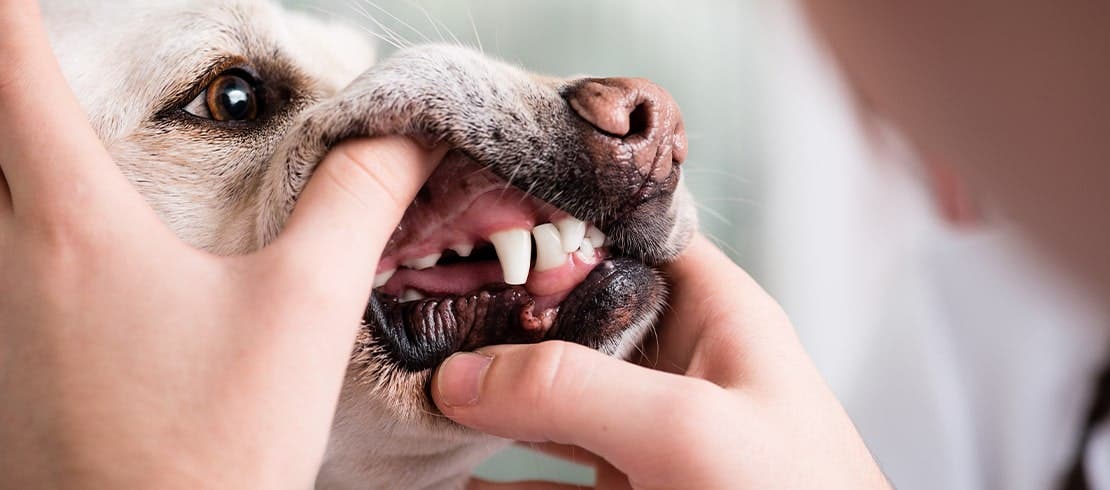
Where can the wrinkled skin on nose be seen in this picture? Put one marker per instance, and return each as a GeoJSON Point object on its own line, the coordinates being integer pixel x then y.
{"type": "Point", "coordinates": [634, 133]}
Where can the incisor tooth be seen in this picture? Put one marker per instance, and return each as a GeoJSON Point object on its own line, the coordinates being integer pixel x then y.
{"type": "Point", "coordinates": [571, 231]}
{"type": "Point", "coordinates": [382, 278]}
{"type": "Point", "coordinates": [595, 236]}
{"type": "Point", "coordinates": [514, 251]}
{"type": "Point", "coordinates": [424, 262]}
{"type": "Point", "coordinates": [549, 247]}
{"type": "Point", "coordinates": [586, 253]}
{"type": "Point", "coordinates": [463, 249]}
{"type": "Point", "coordinates": [411, 295]}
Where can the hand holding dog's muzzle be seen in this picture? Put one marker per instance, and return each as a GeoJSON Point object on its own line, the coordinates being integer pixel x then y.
{"type": "Point", "coordinates": [725, 398]}
{"type": "Point", "coordinates": [130, 359]}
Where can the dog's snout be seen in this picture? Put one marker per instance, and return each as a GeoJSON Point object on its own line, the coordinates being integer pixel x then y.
{"type": "Point", "coordinates": [632, 122]}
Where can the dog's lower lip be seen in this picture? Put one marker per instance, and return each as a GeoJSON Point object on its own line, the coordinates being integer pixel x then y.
{"type": "Point", "coordinates": [420, 334]}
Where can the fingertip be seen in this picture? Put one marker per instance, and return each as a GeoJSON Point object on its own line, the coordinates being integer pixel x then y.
{"type": "Point", "coordinates": [458, 380]}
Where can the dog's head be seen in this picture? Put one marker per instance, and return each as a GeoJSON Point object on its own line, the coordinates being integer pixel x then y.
{"type": "Point", "coordinates": [544, 221]}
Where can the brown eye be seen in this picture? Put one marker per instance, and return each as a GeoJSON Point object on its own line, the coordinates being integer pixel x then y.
{"type": "Point", "coordinates": [231, 98]}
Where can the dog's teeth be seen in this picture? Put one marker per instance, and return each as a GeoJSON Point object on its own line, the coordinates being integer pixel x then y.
{"type": "Point", "coordinates": [571, 231]}
{"type": "Point", "coordinates": [514, 250]}
{"type": "Point", "coordinates": [382, 278]}
{"type": "Point", "coordinates": [595, 236]}
{"type": "Point", "coordinates": [411, 295]}
{"type": "Point", "coordinates": [549, 247]}
{"type": "Point", "coordinates": [586, 252]}
{"type": "Point", "coordinates": [463, 249]}
{"type": "Point", "coordinates": [424, 262]}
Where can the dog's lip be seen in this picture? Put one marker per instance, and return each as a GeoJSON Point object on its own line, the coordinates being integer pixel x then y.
{"type": "Point", "coordinates": [418, 335]}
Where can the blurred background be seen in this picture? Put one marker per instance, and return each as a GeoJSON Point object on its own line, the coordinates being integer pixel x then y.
{"type": "Point", "coordinates": [962, 355]}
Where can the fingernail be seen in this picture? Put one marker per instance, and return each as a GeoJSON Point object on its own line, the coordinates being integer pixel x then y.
{"type": "Point", "coordinates": [459, 379]}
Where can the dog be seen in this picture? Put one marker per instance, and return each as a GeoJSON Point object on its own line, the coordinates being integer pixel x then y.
{"type": "Point", "coordinates": [218, 111]}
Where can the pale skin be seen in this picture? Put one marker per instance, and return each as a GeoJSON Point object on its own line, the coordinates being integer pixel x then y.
{"type": "Point", "coordinates": [120, 343]}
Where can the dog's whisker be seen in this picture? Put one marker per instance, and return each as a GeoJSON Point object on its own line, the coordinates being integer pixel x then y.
{"type": "Point", "coordinates": [482, 168]}
{"type": "Point", "coordinates": [381, 37]}
{"type": "Point", "coordinates": [723, 244]}
{"type": "Point", "coordinates": [428, 15]}
{"type": "Point", "coordinates": [384, 35]}
{"type": "Point", "coordinates": [714, 213]}
{"type": "Point", "coordinates": [399, 41]}
{"type": "Point", "coordinates": [474, 27]}
{"type": "Point", "coordinates": [451, 33]}
{"type": "Point", "coordinates": [722, 173]}
{"type": "Point", "coordinates": [527, 193]}
{"type": "Point", "coordinates": [331, 14]}
{"type": "Point", "coordinates": [399, 20]}
{"type": "Point", "coordinates": [741, 200]}
{"type": "Point", "coordinates": [512, 175]}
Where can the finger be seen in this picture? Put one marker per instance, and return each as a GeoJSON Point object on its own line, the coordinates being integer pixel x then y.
{"type": "Point", "coordinates": [350, 207]}
{"type": "Point", "coordinates": [722, 326]}
{"type": "Point", "coordinates": [569, 394]}
{"type": "Point", "coordinates": [477, 484]}
{"type": "Point", "coordinates": [49, 154]}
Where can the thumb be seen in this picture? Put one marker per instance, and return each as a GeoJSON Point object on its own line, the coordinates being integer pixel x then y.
{"type": "Point", "coordinates": [631, 416]}
{"type": "Point", "coordinates": [353, 202]}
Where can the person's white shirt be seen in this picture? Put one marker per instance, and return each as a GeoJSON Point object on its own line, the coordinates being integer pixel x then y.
{"type": "Point", "coordinates": [966, 360]}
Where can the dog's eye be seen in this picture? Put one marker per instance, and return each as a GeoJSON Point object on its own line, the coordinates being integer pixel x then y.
{"type": "Point", "coordinates": [229, 97]}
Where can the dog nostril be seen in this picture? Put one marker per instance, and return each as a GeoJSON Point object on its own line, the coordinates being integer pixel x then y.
{"type": "Point", "coordinates": [638, 120]}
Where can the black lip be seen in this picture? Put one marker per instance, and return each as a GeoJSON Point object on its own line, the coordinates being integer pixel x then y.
{"type": "Point", "coordinates": [419, 335]}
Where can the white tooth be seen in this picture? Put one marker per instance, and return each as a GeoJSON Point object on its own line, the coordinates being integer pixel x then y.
{"type": "Point", "coordinates": [596, 237]}
{"type": "Point", "coordinates": [463, 249]}
{"type": "Point", "coordinates": [382, 278]}
{"type": "Point", "coordinates": [571, 231]}
{"type": "Point", "coordinates": [549, 247]}
{"type": "Point", "coordinates": [514, 250]}
{"type": "Point", "coordinates": [586, 253]}
{"type": "Point", "coordinates": [422, 262]}
{"type": "Point", "coordinates": [411, 295]}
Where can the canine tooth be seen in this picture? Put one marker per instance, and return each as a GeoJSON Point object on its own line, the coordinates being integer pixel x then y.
{"type": "Point", "coordinates": [411, 295]}
{"type": "Point", "coordinates": [586, 253]}
{"type": "Point", "coordinates": [514, 251]}
{"type": "Point", "coordinates": [549, 247]}
{"type": "Point", "coordinates": [463, 249]}
{"type": "Point", "coordinates": [595, 236]}
{"type": "Point", "coordinates": [571, 231]}
{"type": "Point", "coordinates": [422, 262]}
{"type": "Point", "coordinates": [382, 278]}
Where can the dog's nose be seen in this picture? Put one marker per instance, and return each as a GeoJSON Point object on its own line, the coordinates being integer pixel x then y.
{"type": "Point", "coordinates": [633, 123]}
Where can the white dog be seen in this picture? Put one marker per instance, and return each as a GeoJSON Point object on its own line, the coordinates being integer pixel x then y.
{"type": "Point", "coordinates": [217, 111]}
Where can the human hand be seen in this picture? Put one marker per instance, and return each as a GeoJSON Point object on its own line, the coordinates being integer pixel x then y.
{"type": "Point", "coordinates": [129, 359]}
{"type": "Point", "coordinates": [733, 400]}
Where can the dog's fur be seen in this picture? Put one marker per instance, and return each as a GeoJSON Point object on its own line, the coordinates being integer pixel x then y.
{"type": "Point", "coordinates": [228, 187]}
